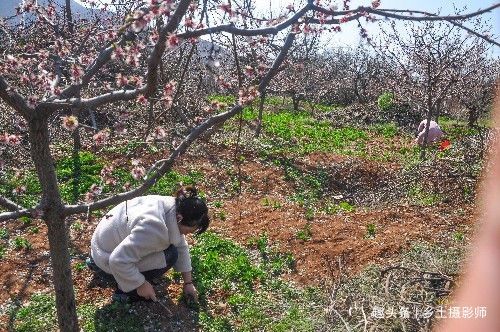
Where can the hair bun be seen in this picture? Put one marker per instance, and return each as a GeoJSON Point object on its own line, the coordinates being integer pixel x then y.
{"type": "Point", "coordinates": [187, 192]}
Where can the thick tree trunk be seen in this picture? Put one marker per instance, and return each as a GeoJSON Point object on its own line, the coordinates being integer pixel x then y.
{"type": "Point", "coordinates": [53, 214]}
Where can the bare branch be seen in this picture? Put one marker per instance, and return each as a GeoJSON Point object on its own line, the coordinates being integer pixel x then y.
{"type": "Point", "coordinates": [79, 103]}
{"type": "Point", "coordinates": [230, 28]}
{"type": "Point", "coordinates": [16, 214]}
{"type": "Point", "coordinates": [155, 57]}
{"type": "Point", "coordinates": [277, 62]}
{"type": "Point", "coordinates": [159, 169]}
{"type": "Point", "coordinates": [14, 99]}
{"type": "Point", "coordinates": [10, 205]}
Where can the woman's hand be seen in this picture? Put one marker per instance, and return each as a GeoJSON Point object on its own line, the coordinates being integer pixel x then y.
{"type": "Point", "coordinates": [146, 291]}
{"type": "Point", "coordinates": [191, 292]}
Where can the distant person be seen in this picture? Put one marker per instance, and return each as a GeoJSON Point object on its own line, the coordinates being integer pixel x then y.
{"type": "Point", "coordinates": [435, 132]}
{"type": "Point", "coordinates": [140, 239]}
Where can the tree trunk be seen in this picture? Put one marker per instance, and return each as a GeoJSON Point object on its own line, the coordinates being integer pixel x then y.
{"type": "Point", "coordinates": [472, 117]}
{"type": "Point", "coordinates": [53, 214]}
{"type": "Point", "coordinates": [261, 110]}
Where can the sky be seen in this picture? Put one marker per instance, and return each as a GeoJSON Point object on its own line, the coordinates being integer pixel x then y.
{"type": "Point", "coordinates": [349, 37]}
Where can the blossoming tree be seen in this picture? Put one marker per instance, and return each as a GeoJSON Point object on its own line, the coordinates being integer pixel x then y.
{"type": "Point", "coordinates": [55, 66]}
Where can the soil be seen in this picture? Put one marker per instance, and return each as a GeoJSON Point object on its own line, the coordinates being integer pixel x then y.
{"type": "Point", "coordinates": [334, 237]}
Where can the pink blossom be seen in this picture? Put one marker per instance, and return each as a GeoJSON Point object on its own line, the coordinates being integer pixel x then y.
{"type": "Point", "coordinates": [118, 53]}
{"type": "Point", "coordinates": [138, 172]}
{"type": "Point", "coordinates": [189, 23]}
{"type": "Point", "coordinates": [173, 41]}
{"type": "Point", "coordinates": [32, 101]}
{"type": "Point", "coordinates": [19, 190]}
{"type": "Point", "coordinates": [225, 7]}
{"type": "Point", "coordinates": [120, 128]}
{"type": "Point", "coordinates": [139, 21]}
{"type": "Point", "coordinates": [153, 37]}
{"type": "Point", "coordinates": [121, 80]}
{"type": "Point", "coordinates": [375, 3]}
{"type": "Point", "coordinates": [101, 137]}
{"type": "Point", "coordinates": [169, 88]}
{"type": "Point", "coordinates": [69, 122]}
{"type": "Point", "coordinates": [290, 8]}
{"type": "Point", "coordinates": [95, 189]}
{"type": "Point", "coordinates": [160, 133]}
{"type": "Point", "coordinates": [249, 71]}
{"type": "Point", "coordinates": [247, 96]}
{"type": "Point", "coordinates": [141, 99]}
{"type": "Point", "coordinates": [168, 100]}
{"type": "Point", "coordinates": [76, 73]}
{"type": "Point", "coordinates": [13, 140]}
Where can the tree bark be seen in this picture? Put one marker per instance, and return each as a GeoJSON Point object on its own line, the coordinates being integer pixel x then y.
{"type": "Point", "coordinates": [52, 209]}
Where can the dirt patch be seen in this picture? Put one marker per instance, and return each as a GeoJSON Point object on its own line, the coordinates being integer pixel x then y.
{"type": "Point", "coordinates": [249, 215]}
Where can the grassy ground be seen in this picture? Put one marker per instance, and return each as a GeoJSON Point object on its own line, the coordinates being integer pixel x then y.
{"type": "Point", "coordinates": [317, 173]}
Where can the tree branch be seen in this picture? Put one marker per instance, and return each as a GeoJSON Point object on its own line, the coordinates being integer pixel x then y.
{"type": "Point", "coordinates": [14, 99]}
{"type": "Point", "coordinates": [230, 28]}
{"type": "Point", "coordinates": [155, 57]}
{"type": "Point", "coordinates": [159, 169]}
{"type": "Point", "coordinates": [10, 205]}
{"type": "Point", "coordinates": [16, 214]}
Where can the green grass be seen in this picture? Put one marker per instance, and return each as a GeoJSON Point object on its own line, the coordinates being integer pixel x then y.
{"type": "Point", "coordinates": [169, 183]}
{"type": "Point", "coordinates": [3, 251]}
{"type": "Point", "coordinates": [21, 243]}
{"type": "Point", "coordinates": [229, 100]}
{"type": "Point", "coordinates": [302, 134]}
{"type": "Point", "coordinates": [39, 314]}
{"type": "Point", "coordinates": [4, 233]}
{"type": "Point", "coordinates": [305, 234]}
{"type": "Point", "coordinates": [456, 129]}
{"type": "Point", "coordinates": [257, 298]}
{"type": "Point", "coordinates": [420, 195]}
{"type": "Point", "coordinates": [370, 231]}
{"type": "Point", "coordinates": [90, 167]}
{"type": "Point", "coordinates": [387, 130]}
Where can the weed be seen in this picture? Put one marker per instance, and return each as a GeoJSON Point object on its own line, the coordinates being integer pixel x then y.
{"type": "Point", "coordinates": [34, 229]}
{"type": "Point", "coordinates": [305, 233]}
{"type": "Point", "coordinates": [170, 182]}
{"type": "Point", "coordinates": [77, 226]}
{"type": "Point", "coordinates": [80, 266]}
{"type": "Point", "coordinates": [309, 213]}
{"type": "Point", "coordinates": [332, 208]}
{"type": "Point", "coordinates": [89, 168]}
{"type": "Point", "coordinates": [458, 236]}
{"type": "Point", "coordinates": [221, 215]}
{"type": "Point", "coordinates": [38, 315]}
{"type": "Point", "coordinates": [21, 243]}
{"type": "Point", "coordinates": [275, 204]}
{"type": "Point", "coordinates": [261, 243]}
{"type": "Point", "coordinates": [386, 101]}
{"type": "Point", "coordinates": [387, 130]}
{"type": "Point", "coordinates": [4, 234]}
{"type": "Point", "coordinates": [423, 197]}
{"type": "Point", "coordinates": [300, 133]}
{"type": "Point", "coordinates": [370, 231]}
{"type": "Point", "coordinates": [26, 220]}
{"type": "Point", "coordinates": [3, 251]}
{"type": "Point", "coordinates": [217, 204]}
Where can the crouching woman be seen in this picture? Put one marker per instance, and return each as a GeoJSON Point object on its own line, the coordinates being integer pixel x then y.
{"type": "Point", "coordinates": [139, 240]}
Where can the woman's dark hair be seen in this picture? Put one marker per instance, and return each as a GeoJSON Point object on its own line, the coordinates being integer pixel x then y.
{"type": "Point", "coordinates": [193, 209]}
